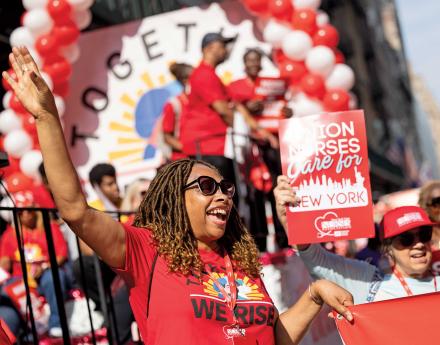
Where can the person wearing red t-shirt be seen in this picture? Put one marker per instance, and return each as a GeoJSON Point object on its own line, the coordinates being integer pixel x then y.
{"type": "Point", "coordinates": [36, 254]}
{"type": "Point", "coordinates": [191, 266]}
{"type": "Point", "coordinates": [243, 91]}
{"type": "Point", "coordinates": [174, 110]}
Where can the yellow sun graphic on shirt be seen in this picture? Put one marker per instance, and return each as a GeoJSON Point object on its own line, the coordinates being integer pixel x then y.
{"type": "Point", "coordinates": [247, 290]}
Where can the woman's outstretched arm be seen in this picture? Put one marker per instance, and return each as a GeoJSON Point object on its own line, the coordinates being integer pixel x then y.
{"type": "Point", "coordinates": [97, 229]}
{"type": "Point", "coordinates": [294, 323]}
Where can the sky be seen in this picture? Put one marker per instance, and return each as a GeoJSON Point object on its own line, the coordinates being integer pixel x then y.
{"type": "Point", "coordinates": [420, 24]}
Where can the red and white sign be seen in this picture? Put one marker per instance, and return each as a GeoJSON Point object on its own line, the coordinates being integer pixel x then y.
{"type": "Point", "coordinates": [325, 156]}
{"type": "Point", "coordinates": [382, 322]}
{"type": "Point", "coordinates": [272, 92]}
{"type": "Point", "coordinates": [436, 261]}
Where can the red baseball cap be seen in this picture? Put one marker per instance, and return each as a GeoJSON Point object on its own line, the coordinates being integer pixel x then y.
{"type": "Point", "coordinates": [24, 198]}
{"type": "Point", "coordinates": [402, 219]}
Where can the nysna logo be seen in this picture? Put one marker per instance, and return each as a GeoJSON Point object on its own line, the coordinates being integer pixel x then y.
{"type": "Point", "coordinates": [331, 225]}
{"type": "Point", "coordinates": [408, 218]}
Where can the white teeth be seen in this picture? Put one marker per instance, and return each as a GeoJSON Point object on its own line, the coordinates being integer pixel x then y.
{"type": "Point", "coordinates": [218, 211]}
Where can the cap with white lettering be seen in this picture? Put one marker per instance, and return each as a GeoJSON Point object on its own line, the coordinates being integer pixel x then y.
{"type": "Point", "coordinates": [402, 219]}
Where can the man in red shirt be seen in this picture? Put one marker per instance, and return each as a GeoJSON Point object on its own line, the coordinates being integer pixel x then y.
{"type": "Point", "coordinates": [209, 113]}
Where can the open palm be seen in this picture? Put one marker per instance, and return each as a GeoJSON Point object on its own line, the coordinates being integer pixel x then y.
{"type": "Point", "coordinates": [30, 88]}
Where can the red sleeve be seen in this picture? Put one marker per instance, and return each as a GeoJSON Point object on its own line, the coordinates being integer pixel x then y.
{"type": "Point", "coordinates": [58, 241]}
{"type": "Point", "coordinates": [8, 243]}
{"type": "Point", "coordinates": [168, 118]}
{"type": "Point", "coordinates": [139, 255]}
{"type": "Point", "coordinates": [207, 86]}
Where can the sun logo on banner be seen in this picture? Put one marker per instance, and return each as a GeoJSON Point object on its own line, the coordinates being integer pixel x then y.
{"type": "Point", "coordinates": [247, 290]}
{"type": "Point", "coordinates": [138, 129]}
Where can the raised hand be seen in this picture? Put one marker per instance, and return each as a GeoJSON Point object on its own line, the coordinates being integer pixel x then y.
{"type": "Point", "coordinates": [30, 88]}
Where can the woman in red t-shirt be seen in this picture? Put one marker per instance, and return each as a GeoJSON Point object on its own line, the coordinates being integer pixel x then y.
{"type": "Point", "coordinates": [191, 266]}
{"type": "Point", "coordinates": [174, 110]}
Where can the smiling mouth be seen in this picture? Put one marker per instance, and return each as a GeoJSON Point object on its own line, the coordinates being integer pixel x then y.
{"type": "Point", "coordinates": [220, 214]}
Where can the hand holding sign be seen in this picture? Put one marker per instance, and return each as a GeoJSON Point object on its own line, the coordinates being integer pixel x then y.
{"type": "Point", "coordinates": [325, 158]}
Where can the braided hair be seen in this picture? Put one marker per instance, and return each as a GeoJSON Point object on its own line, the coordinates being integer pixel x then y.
{"type": "Point", "coordinates": [163, 212]}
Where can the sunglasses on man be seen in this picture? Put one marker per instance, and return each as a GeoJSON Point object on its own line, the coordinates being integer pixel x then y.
{"type": "Point", "coordinates": [408, 239]}
{"type": "Point", "coordinates": [208, 186]}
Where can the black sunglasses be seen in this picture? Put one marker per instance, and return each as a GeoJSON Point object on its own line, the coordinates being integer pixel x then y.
{"type": "Point", "coordinates": [407, 239]}
{"type": "Point", "coordinates": [435, 202]}
{"type": "Point", "coordinates": [208, 186]}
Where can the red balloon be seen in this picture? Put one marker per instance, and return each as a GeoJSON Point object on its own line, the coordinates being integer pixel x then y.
{"type": "Point", "coordinates": [61, 89]}
{"type": "Point", "coordinates": [5, 84]}
{"type": "Point", "coordinates": [292, 70]}
{"type": "Point", "coordinates": [336, 100]}
{"type": "Point", "coordinates": [305, 19]}
{"type": "Point", "coordinates": [65, 34]}
{"type": "Point", "coordinates": [313, 85]}
{"type": "Point", "coordinates": [59, 10]}
{"type": "Point", "coordinates": [46, 45]}
{"type": "Point", "coordinates": [15, 104]}
{"type": "Point", "coordinates": [278, 55]}
{"type": "Point", "coordinates": [257, 6]}
{"type": "Point", "coordinates": [339, 57]}
{"type": "Point", "coordinates": [281, 9]}
{"type": "Point", "coordinates": [18, 181]}
{"type": "Point", "coordinates": [326, 36]}
{"type": "Point", "coordinates": [28, 125]}
{"type": "Point", "coordinates": [59, 70]}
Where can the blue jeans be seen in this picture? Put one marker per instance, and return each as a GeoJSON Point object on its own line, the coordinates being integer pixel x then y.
{"type": "Point", "coordinates": [47, 289]}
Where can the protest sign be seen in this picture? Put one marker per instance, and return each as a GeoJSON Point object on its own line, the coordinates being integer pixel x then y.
{"type": "Point", "coordinates": [401, 321]}
{"type": "Point", "coordinates": [272, 92]}
{"type": "Point", "coordinates": [325, 157]}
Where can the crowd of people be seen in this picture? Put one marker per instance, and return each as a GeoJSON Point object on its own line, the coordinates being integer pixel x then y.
{"type": "Point", "coordinates": [190, 267]}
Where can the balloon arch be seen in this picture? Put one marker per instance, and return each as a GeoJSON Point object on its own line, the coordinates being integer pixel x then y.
{"type": "Point", "coordinates": [304, 48]}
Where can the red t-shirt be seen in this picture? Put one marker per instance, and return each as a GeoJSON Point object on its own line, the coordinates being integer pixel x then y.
{"type": "Point", "coordinates": [202, 122]}
{"type": "Point", "coordinates": [242, 90]}
{"type": "Point", "coordinates": [183, 310]}
{"type": "Point", "coordinates": [35, 246]}
{"type": "Point", "coordinates": [172, 115]}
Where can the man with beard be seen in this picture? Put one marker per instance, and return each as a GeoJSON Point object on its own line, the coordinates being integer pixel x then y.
{"type": "Point", "coordinates": [209, 113]}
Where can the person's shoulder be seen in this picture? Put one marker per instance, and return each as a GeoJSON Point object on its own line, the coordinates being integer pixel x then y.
{"type": "Point", "coordinates": [142, 234]}
{"type": "Point", "coordinates": [9, 232]}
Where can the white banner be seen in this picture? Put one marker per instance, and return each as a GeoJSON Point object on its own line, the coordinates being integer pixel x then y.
{"type": "Point", "coordinates": [121, 82]}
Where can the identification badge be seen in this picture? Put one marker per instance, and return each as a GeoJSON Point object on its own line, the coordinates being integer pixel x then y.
{"type": "Point", "coordinates": [238, 336]}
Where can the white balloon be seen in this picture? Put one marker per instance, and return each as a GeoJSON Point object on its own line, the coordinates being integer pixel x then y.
{"type": "Point", "coordinates": [33, 4]}
{"type": "Point", "coordinates": [30, 162]}
{"type": "Point", "coordinates": [21, 36]}
{"type": "Point", "coordinates": [322, 18]}
{"type": "Point", "coordinates": [314, 4]}
{"type": "Point", "coordinates": [17, 143]}
{"type": "Point", "coordinates": [296, 44]}
{"type": "Point", "coordinates": [83, 18]}
{"type": "Point", "coordinates": [9, 121]}
{"type": "Point", "coordinates": [71, 52]}
{"type": "Point", "coordinates": [47, 79]}
{"type": "Point", "coordinates": [6, 214]}
{"type": "Point", "coordinates": [81, 5]}
{"type": "Point", "coordinates": [37, 58]}
{"type": "Point", "coordinates": [274, 33]}
{"type": "Point", "coordinates": [61, 106]}
{"type": "Point", "coordinates": [341, 77]}
{"type": "Point", "coordinates": [38, 21]}
{"type": "Point", "coordinates": [6, 99]}
{"type": "Point", "coordinates": [320, 60]}
{"type": "Point", "coordinates": [306, 106]}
